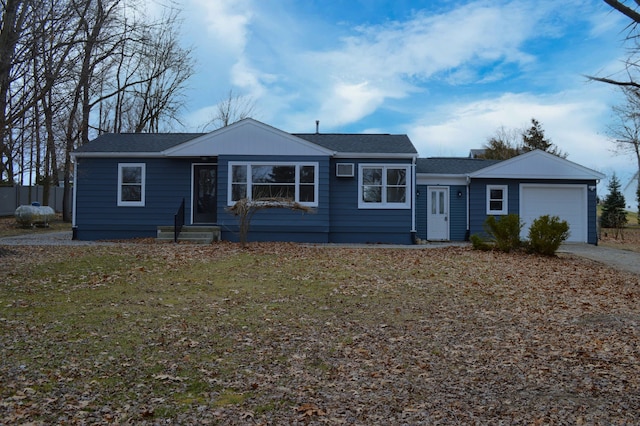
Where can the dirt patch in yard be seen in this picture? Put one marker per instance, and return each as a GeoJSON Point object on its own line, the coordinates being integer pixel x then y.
{"type": "Point", "coordinates": [288, 334]}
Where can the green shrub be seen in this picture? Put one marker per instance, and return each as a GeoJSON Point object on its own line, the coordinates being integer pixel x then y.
{"type": "Point", "coordinates": [546, 234]}
{"type": "Point", "coordinates": [479, 244]}
{"type": "Point", "coordinates": [505, 232]}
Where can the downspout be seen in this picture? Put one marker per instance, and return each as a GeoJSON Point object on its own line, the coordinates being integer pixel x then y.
{"type": "Point", "coordinates": [74, 206]}
{"type": "Point", "coordinates": [413, 201]}
{"type": "Point", "coordinates": [468, 215]}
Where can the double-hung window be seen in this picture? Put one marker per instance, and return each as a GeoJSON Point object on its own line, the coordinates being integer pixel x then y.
{"type": "Point", "coordinates": [497, 199]}
{"type": "Point", "coordinates": [384, 186]}
{"type": "Point", "coordinates": [267, 181]}
{"type": "Point", "coordinates": [131, 184]}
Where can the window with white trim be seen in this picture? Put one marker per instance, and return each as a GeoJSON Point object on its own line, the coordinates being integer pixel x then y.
{"type": "Point", "coordinates": [260, 180]}
{"type": "Point", "coordinates": [384, 186]}
{"type": "Point", "coordinates": [131, 184]}
{"type": "Point", "coordinates": [497, 199]}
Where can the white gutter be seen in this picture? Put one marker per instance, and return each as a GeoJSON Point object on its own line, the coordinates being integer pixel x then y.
{"type": "Point", "coordinates": [413, 195]}
{"type": "Point", "coordinates": [382, 156]}
{"type": "Point", "coordinates": [75, 188]}
{"type": "Point", "coordinates": [468, 201]}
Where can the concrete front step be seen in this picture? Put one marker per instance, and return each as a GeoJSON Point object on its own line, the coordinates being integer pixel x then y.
{"type": "Point", "coordinates": [191, 234]}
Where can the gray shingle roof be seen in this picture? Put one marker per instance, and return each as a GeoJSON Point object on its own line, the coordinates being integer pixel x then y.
{"type": "Point", "coordinates": [157, 142]}
{"type": "Point", "coordinates": [136, 142]}
{"type": "Point", "coordinates": [361, 143]}
{"type": "Point", "coordinates": [451, 165]}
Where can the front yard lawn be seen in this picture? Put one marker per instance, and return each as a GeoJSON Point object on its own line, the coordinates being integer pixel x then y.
{"type": "Point", "coordinates": [286, 334]}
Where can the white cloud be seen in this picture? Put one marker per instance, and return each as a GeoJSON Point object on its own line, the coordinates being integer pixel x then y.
{"type": "Point", "coordinates": [572, 120]}
{"type": "Point", "coordinates": [349, 102]}
{"type": "Point", "coordinates": [393, 60]}
{"type": "Point", "coordinates": [227, 22]}
{"type": "Point", "coordinates": [300, 68]}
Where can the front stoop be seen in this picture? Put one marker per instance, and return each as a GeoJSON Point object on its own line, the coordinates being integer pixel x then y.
{"type": "Point", "coordinates": [190, 234]}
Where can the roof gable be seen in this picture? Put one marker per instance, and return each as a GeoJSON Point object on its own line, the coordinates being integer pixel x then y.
{"type": "Point", "coordinates": [537, 165]}
{"type": "Point", "coordinates": [246, 137]}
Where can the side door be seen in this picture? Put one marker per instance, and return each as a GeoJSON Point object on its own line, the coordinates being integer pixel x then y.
{"type": "Point", "coordinates": [438, 213]}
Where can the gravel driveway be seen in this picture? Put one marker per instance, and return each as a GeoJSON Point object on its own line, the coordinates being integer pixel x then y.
{"type": "Point", "coordinates": [61, 238]}
{"type": "Point", "coordinates": [623, 260]}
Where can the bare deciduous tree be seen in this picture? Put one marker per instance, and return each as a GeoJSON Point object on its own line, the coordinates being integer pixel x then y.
{"type": "Point", "coordinates": [231, 109]}
{"type": "Point", "coordinates": [62, 60]}
{"type": "Point", "coordinates": [508, 143]}
{"type": "Point", "coordinates": [502, 145]}
{"type": "Point", "coordinates": [245, 209]}
{"type": "Point", "coordinates": [625, 130]}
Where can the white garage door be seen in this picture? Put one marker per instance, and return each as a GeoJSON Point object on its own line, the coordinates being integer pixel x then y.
{"type": "Point", "coordinates": [569, 202]}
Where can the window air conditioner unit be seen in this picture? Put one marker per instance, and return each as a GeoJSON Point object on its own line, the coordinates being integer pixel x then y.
{"type": "Point", "coordinates": [344, 170]}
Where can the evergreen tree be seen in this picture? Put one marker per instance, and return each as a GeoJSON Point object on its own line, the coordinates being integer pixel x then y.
{"type": "Point", "coordinates": [613, 212]}
{"type": "Point", "coordinates": [533, 138]}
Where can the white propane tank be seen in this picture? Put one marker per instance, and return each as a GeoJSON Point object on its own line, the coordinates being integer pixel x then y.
{"type": "Point", "coordinates": [34, 215]}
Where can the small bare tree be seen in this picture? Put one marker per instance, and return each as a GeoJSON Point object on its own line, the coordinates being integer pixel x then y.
{"type": "Point", "coordinates": [245, 209]}
{"type": "Point", "coordinates": [231, 109]}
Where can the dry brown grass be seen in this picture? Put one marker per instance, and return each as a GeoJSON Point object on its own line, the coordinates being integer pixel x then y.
{"type": "Point", "coordinates": [629, 240]}
{"type": "Point", "coordinates": [288, 334]}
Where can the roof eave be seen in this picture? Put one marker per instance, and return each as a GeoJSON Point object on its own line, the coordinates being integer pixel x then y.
{"type": "Point", "coordinates": [443, 175]}
{"type": "Point", "coordinates": [538, 177]}
{"type": "Point", "coordinates": [116, 155]}
{"type": "Point", "coordinates": [375, 155]}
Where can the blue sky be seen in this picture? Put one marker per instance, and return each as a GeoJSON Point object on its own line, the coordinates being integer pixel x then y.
{"type": "Point", "coordinates": [448, 73]}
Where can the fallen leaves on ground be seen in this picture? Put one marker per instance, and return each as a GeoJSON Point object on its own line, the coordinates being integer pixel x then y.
{"type": "Point", "coordinates": [290, 334]}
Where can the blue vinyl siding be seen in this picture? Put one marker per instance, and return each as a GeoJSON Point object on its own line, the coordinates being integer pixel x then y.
{"type": "Point", "coordinates": [349, 224]}
{"type": "Point", "coordinates": [457, 212]}
{"type": "Point", "coordinates": [97, 213]}
{"type": "Point", "coordinates": [477, 202]}
{"type": "Point", "coordinates": [421, 211]}
{"type": "Point", "coordinates": [277, 224]}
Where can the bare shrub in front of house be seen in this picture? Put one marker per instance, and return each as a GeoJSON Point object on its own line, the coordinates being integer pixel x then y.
{"type": "Point", "coordinates": [245, 209]}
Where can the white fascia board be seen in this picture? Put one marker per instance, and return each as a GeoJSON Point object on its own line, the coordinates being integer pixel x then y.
{"type": "Point", "coordinates": [440, 179]}
{"type": "Point", "coordinates": [374, 156]}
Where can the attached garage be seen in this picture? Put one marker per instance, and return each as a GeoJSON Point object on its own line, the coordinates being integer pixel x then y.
{"type": "Point", "coordinates": [535, 184]}
{"type": "Point", "coordinates": [568, 202]}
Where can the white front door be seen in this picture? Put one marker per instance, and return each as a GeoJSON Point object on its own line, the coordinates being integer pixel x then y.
{"type": "Point", "coordinates": [438, 213]}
